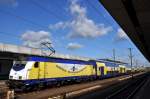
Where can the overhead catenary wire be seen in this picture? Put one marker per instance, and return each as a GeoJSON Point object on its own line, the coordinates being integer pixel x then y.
{"type": "Point", "coordinates": [23, 19]}
{"type": "Point", "coordinates": [46, 9]}
{"type": "Point", "coordinates": [27, 20]}
{"type": "Point", "coordinates": [98, 12]}
{"type": "Point", "coordinates": [10, 35]}
{"type": "Point", "coordinates": [7, 36]}
{"type": "Point", "coordinates": [50, 12]}
{"type": "Point", "coordinates": [20, 18]}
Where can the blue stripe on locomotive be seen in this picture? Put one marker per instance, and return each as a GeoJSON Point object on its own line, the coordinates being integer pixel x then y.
{"type": "Point", "coordinates": [59, 60]}
{"type": "Point", "coordinates": [51, 80]}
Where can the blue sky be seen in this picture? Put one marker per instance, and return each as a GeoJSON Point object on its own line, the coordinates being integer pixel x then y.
{"type": "Point", "coordinates": [76, 27]}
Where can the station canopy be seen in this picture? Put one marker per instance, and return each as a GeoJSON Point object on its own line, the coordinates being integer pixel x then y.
{"type": "Point", "coordinates": [134, 18]}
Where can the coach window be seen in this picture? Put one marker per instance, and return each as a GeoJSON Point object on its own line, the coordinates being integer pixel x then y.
{"type": "Point", "coordinates": [36, 65]}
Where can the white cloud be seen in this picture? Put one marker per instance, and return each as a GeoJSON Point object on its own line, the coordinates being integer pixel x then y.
{"type": "Point", "coordinates": [77, 10]}
{"type": "Point", "coordinates": [81, 25]}
{"type": "Point", "coordinates": [59, 25]}
{"type": "Point", "coordinates": [121, 35]}
{"type": "Point", "coordinates": [73, 46]}
{"type": "Point", "coordinates": [9, 2]}
{"type": "Point", "coordinates": [35, 38]}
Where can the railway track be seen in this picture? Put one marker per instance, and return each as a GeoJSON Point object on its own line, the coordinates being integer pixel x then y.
{"type": "Point", "coordinates": [63, 90]}
{"type": "Point", "coordinates": [125, 89]}
{"type": "Point", "coordinates": [129, 91]}
{"type": "Point", "coordinates": [71, 90]}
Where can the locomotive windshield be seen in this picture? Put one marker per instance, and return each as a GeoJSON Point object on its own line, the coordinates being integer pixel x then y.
{"type": "Point", "coordinates": [19, 65]}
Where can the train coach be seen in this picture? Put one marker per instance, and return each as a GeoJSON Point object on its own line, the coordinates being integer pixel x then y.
{"type": "Point", "coordinates": [38, 71]}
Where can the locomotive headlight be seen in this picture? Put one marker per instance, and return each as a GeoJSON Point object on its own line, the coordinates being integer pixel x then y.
{"type": "Point", "coordinates": [20, 77]}
{"type": "Point", "coordinates": [10, 77]}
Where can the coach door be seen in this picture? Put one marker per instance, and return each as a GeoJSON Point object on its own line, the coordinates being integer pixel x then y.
{"type": "Point", "coordinates": [101, 69]}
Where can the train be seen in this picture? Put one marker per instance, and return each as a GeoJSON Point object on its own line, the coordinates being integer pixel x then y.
{"type": "Point", "coordinates": [34, 72]}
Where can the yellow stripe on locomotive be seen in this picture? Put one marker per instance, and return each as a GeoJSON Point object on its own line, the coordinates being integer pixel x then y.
{"type": "Point", "coordinates": [41, 70]}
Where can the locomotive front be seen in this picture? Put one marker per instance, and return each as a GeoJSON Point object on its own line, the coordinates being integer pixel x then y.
{"type": "Point", "coordinates": [19, 73]}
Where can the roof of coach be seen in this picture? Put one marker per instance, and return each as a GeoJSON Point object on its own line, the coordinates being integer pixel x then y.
{"type": "Point", "coordinates": [109, 60]}
{"type": "Point", "coordinates": [59, 60]}
{"type": "Point", "coordinates": [111, 63]}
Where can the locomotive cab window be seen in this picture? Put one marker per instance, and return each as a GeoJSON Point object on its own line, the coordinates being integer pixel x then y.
{"type": "Point", "coordinates": [36, 65]}
{"type": "Point", "coordinates": [19, 65]}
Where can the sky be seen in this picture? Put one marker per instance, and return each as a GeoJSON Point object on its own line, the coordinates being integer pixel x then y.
{"type": "Point", "coordinates": [74, 27]}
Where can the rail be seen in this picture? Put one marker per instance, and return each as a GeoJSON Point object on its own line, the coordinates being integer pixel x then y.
{"type": "Point", "coordinates": [129, 90]}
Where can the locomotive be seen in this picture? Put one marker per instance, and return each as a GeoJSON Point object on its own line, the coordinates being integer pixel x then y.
{"type": "Point", "coordinates": [38, 71]}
